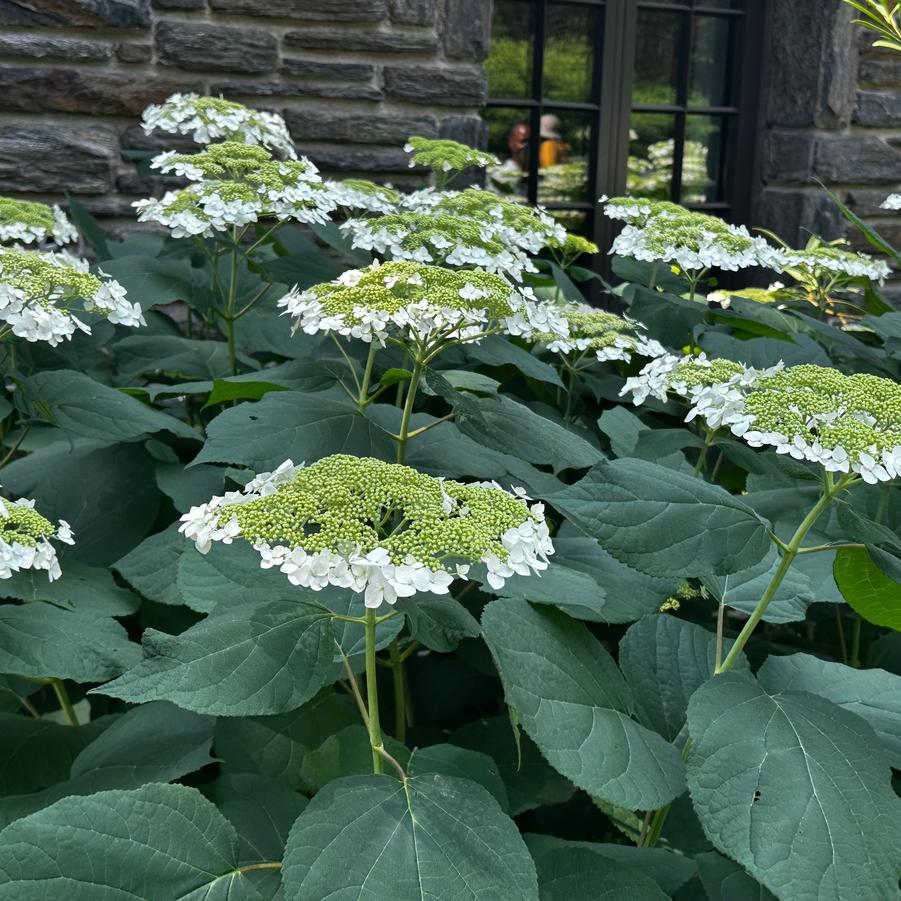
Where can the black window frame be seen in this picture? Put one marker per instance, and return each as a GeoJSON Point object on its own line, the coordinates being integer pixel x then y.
{"type": "Point", "coordinates": [612, 104]}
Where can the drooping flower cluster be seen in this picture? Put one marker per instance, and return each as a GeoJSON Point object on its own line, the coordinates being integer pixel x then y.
{"type": "Point", "coordinates": [606, 335]}
{"type": "Point", "coordinates": [27, 222]}
{"type": "Point", "coordinates": [846, 423]}
{"type": "Point", "coordinates": [774, 293]}
{"type": "Point", "coordinates": [360, 194]}
{"type": "Point", "coordinates": [814, 262]}
{"type": "Point", "coordinates": [25, 539]}
{"type": "Point", "coordinates": [426, 303]}
{"type": "Point", "coordinates": [446, 156]}
{"type": "Point", "coordinates": [235, 184]}
{"type": "Point", "coordinates": [210, 119]}
{"type": "Point", "coordinates": [660, 231]}
{"type": "Point", "coordinates": [379, 528]}
{"type": "Point", "coordinates": [892, 202]}
{"type": "Point", "coordinates": [40, 291]}
{"type": "Point", "coordinates": [465, 229]}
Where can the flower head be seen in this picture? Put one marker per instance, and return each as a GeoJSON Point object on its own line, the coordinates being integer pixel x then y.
{"type": "Point", "coordinates": [827, 260]}
{"type": "Point", "coordinates": [379, 528]}
{"type": "Point", "coordinates": [39, 291]}
{"type": "Point", "coordinates": [419, 300]}
{"type": "Point", "coordinates": [25, 539]}
{"type": "Point", "coordinates": [606, 335]}
{"type": "Point", "coordinates": [660, 231]}
{"type": "Point", "coordinates": [209, 119]}
{"type": "Point", "coordinates": [360, 194]}
{"type": "Point", "coordinates": [892, 202]}
{"type": "Point", "coordinates": [27, 222]}
{"type": "Point", "coordinates": [446, 156]}
{"type": "Point", "coordinates": [236, 184]}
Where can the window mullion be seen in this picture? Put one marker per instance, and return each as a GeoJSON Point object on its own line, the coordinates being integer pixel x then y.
{"type": "Point", "coordinates": [682, 86]}
{"type": "Point", "coordinates": [540, 11]}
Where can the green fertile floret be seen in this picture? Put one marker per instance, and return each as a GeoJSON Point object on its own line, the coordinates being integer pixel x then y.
{"type": "Point", "coordinates": [483, 206]}
{"type": "Point", "coordinates": [446, 156]}
{"type": "Point", "coordinates": [37, 216]}
{"type": "Point", "coordinates": [23, 525]}
{"type": "Point", "coordinates": [344, 501]}
{"type": "Point", "coordinates": [692, 374]}
{"type": "Point", "coordinates": [590, 329]}
{"type": "Point", "coordinates": [371, 189]}
{"type": "Point", "coordinates": [854, 412]}
{"type": "Point", "coordinates": [573, 246]}
{"type": "Point", "coordinates": [43, 282]}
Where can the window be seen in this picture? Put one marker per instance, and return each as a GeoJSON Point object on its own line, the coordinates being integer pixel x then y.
{"type": "Point", "coordinates": [626, 96]}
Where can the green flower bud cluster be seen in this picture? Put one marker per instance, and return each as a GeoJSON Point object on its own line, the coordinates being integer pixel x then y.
{"type": "Point", "coordinates": [693, 372]}
{"type": "Point", "coordinates": [45, 279]}
{"type": "Point", "coordinates": [24, 221]}
{"type": "Point", "coordinates": [23, 525]}
{"type": "Point", "coordinates": [446, 156]}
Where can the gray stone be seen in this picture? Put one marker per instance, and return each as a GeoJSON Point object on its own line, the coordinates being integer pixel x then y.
{"type": "Point", "coordinates": [179, 4]}
{"type": "Point", "coordinates": [134, 53]}
{"type": "Point", "coordinates": [362, 41]}
{"type": "Point", "coordinates": [856, 158]}
{"type": "Point", "coordinates": [81, 91]}
{"type": "Point", "coordinates": [78, 13]}
{"type": "Point", "coordinates": [356, 128]}
{"type": "Point", "coordinates": [879, 73]}
{"type": "Point", "coordinates": [52, 158]}
{"type": "Point", "coordinates": [436, 86]}
{"type": "Point", "coordinates": [335, 71]}
{"type": "Point", "coordinates": [414, 12]}
{"type": "Point", "coordinates": [467, 30]}
{"type": "Point", "coordinates": [354, 159]}
{"type": "Point", "coordinates": [236, 90]}
{"type": "Point", "coordinates": [311, 10]}
{"type": "Point", "coordinates": [793, 214]}
{"type": "Point", "coordinates": [134, 138]}
{"type": "Point", "coordinates": [787, 156]}
{"type": "Point", "coordinates": [216, 48]}
{"type": "Point", "coordinates": [812, 64]}
{"type": "Point", "coordinates": [469, 130]}
{"type": "Point", "coordinates": [866, 203]}
{"type": "Point", "coordinates": [43, 46]}
{"type": "Point", "coordinates": [878, 109]}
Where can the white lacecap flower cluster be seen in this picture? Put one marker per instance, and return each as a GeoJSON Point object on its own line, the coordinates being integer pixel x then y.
{"type": "Point", "coordinates": [51, 223]}
{"type": "Point", "coordinates": [834, 260]}
{"type": "Point", "coordinates": [32, 549]}
{"type": "Point", "coordinates": [210, 119]}
{"type": "Point", "coordinates": [892, 202]}
{"type": "Point", "coordinates": [374, 573]}
{"type": "Point", "coordinates": [376, 199]}
{"type": "Point", "coordinates": [38, 292]}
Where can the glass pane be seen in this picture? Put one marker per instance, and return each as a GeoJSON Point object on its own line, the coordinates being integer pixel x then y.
{"type": "Point", "coordinates": [703, 159]}
{"type": "Point", "coordinates": [563, 157]}
{"type": "Point", "coordinates": [509, 65]}
{"type": "Point", "coordinates": [508, 139]}
{"type": "Point", "coordinates": [656, 57]}
{"type": "Point", "coordinates": [572, 35]}
{"type": "Point", "coordinates": [718, 4]}
{"type": "Point", "coordinates": [709, 77]}
{"type": "Point", "coordinates": [651, 155]}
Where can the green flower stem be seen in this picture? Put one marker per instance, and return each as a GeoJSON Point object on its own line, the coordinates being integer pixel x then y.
{"type": "Point", "coordinates": [652, 282]}
{"type": "Point", "coordinates": [372, 694]}
{"type": "Point", "coordinates": [59, 689]}
{"type": "Point", "coordinates": [418, 366]}
{"type": "Point", "coordinates": [855, 642]}
{"type": "Point", "coordinates": [400, 692]}
{"type": "Point", "coordinates": [791, 550]}
{"type": "Point", "coordinates": [702, 456]}
{"type": "Point", "coordinates": [654, 821]}
{"type": "Point", "coordinates": [230, 305]}
{"type": "Point", "coordinates": [367, 376]}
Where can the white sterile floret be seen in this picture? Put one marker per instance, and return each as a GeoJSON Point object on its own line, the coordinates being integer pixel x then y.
{"type": "Point", "coordinates": [833, 259]}
{"type": "Point", "coordinates": [359, 194]}
{"type": "Point", "coordinates": [41, 292]}
{"type": "Point", "coordinates": [25, 539]}
{"type": "Point", "coordinates": [209, 119]}
{"type": "Point", "coordinates": [379, 529]}
{"type": "Point", "coordinates": [892, 202]}
{"type": "Point", "coordinates": [421, 302]}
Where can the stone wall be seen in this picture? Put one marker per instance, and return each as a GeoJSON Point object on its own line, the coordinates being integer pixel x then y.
{"type": "Point", "coordinates": [353, 79]}
{"type": "Point", "coordinates": [831, 112]}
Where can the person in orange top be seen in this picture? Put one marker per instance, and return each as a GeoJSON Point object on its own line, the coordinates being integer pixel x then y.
{"type": "Point", "coordinates": [553, 148]}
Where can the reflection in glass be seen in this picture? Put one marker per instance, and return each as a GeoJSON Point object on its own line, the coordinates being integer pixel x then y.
{"type": "Point", "coordinates": [651, 144]}
{"type": "Point", "coordinates": [656, 57]}
{"type": "Point", "coordinates": [563, 156]}
{"type": "Point", "coordinates": [572, 32]}
{"type": "Point", "coordinates": [708, 80]}
{"type": "Point", "coordinates": [703, 162]}
{"type": "Point", "coordinates": [508, 139]}
{"type": "Point", "coordinates": [509, 66]}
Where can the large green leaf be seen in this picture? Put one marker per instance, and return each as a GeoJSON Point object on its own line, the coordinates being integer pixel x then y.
{"type": "Point", "coordinates": [172, 356]}
{"type": "Point", "coordinates": [511, 427]}
{"type": "Point", "coordinates": [289, 425]}
{"type": "Point", "coordinates": [39, 640]}
{"type": "Point", "coordinates": [152, 566]}
{"type": "Point", "coordinates": [498, 351]}
{"type": "Point", "coordinates": [77, 404]}
{"type": "Point", "coordinates": [258, 658]}
{"type": "Point", "coordinates": [795, 789]}
{"type": "Point", "coordinates": [464, 763]}
{"type": "Point", "coordinates": [664, 522]}
{"type": "Point", "coordinates": [439, 621]}
{"type": "Point", "coordinates": [725, 880]}
{"type": "Point", "coordinates": [157, 281]}
{"type": "Point", "coordinates": [574, 871]}
{"type": "Point", "coordinates": [159, 841]}
{"type": "Point", "coordinates": [117, 511]}
{"type": "Point", "coordinates": [574, 592]}
{"type": "Point", "coordinates": [873, 694]}
{"type": "Point", "coordinates": [432, 836]}
{"type": "Point", "coordinates": [875, 596]}
{"type": "Point", "coordinates": [575, 705]}
{"type": "Point", "coordinates": [152, 743]}
{"type": "Point", "coordinates": [664, 660]}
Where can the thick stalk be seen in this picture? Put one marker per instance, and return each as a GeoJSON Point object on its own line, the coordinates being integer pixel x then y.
{"type": "Point", "coordinates": [230, 305]}
{"type": "Point", "coordinates": [59, 689]}
{"type": "Point", "coordinates": [408, 410]}
{"type": "Point", "coordinates": [791, 551]}
{"type": "Point", "coordinates": [367, 376]}
{"type": "Point", "coordinates": [372, 693]}
{"type": "Point", "coordinates": [400, 692]}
